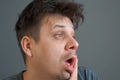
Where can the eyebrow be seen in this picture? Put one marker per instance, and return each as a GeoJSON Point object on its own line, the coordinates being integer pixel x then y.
{"type": "Point", "coordinates": [59, 26]}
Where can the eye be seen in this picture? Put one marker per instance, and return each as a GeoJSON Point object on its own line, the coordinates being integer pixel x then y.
{"type": "Point", "coordinates": [59, 35]}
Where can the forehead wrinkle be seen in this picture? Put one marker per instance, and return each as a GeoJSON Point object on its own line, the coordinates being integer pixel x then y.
{"type": "Point", "coordinates": [52, 18]}
{"type": "Point", "coordinates": [53, 21]}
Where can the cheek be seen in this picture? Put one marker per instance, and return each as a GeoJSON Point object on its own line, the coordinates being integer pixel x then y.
{"type": "Point", "coordinates": [50, 50]}
{"type": "Point", "coordinates": [53, 51]}
{"type": "Point", "coordinates": [49, 57]}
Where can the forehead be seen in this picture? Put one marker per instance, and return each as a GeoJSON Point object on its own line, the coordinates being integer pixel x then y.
{"type": "Point", "coordinates": [52, 20]}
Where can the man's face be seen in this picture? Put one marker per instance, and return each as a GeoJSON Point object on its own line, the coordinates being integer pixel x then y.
{"type": "Point", "coordinates": [55, 52]}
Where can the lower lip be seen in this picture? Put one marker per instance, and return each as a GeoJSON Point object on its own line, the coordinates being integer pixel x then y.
{"type": "Point", "coordinates": [69, 67]}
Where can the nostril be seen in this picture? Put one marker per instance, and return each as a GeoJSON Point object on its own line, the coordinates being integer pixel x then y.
{"type": "Point", "coordinates": [72, 47]}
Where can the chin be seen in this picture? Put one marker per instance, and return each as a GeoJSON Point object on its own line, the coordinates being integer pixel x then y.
{"type": "Point", "coordinates": [65, 75]}
{"type": "Point", "coordinates": [62, 75]}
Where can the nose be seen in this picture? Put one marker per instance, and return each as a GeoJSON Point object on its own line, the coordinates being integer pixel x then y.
{"type": "Point", "coordinates": [71, 44]}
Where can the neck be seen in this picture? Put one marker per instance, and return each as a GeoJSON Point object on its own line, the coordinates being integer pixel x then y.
{"type": "Point", "coordinates": [33, 73]}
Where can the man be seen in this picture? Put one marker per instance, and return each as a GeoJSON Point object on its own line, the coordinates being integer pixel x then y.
{"type": "Point", "coordinates": [45, 33]}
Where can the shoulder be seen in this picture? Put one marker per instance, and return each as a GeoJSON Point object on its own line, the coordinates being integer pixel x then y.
{"type": "Point", "coordinates": [85, 73]}
{"type": "Point", "coordinates": [15, 77]}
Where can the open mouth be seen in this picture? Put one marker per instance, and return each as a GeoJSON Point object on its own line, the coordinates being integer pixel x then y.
{"type": "Point", "coordinates": [69, 63]}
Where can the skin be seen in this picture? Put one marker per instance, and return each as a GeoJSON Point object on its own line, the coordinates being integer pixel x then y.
{"type": "Point", "coordinates": [46, 58]}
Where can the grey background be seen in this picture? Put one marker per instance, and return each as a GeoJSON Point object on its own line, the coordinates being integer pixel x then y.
{"type": "Point", "coordinates": [98, 37]}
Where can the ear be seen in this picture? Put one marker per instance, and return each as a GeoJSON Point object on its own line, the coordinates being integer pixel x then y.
{"type": "Point", "coordinates": [26, 45]}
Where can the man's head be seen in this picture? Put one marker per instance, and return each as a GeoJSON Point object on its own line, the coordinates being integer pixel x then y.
{"type": "Point", "coordinates": [45, 33]}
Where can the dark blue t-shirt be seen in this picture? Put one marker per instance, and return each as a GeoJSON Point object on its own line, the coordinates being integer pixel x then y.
{"type": "Point", "coordinates": [83, 74]}
{"type": "Point", "coordinates": [86, 74]}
